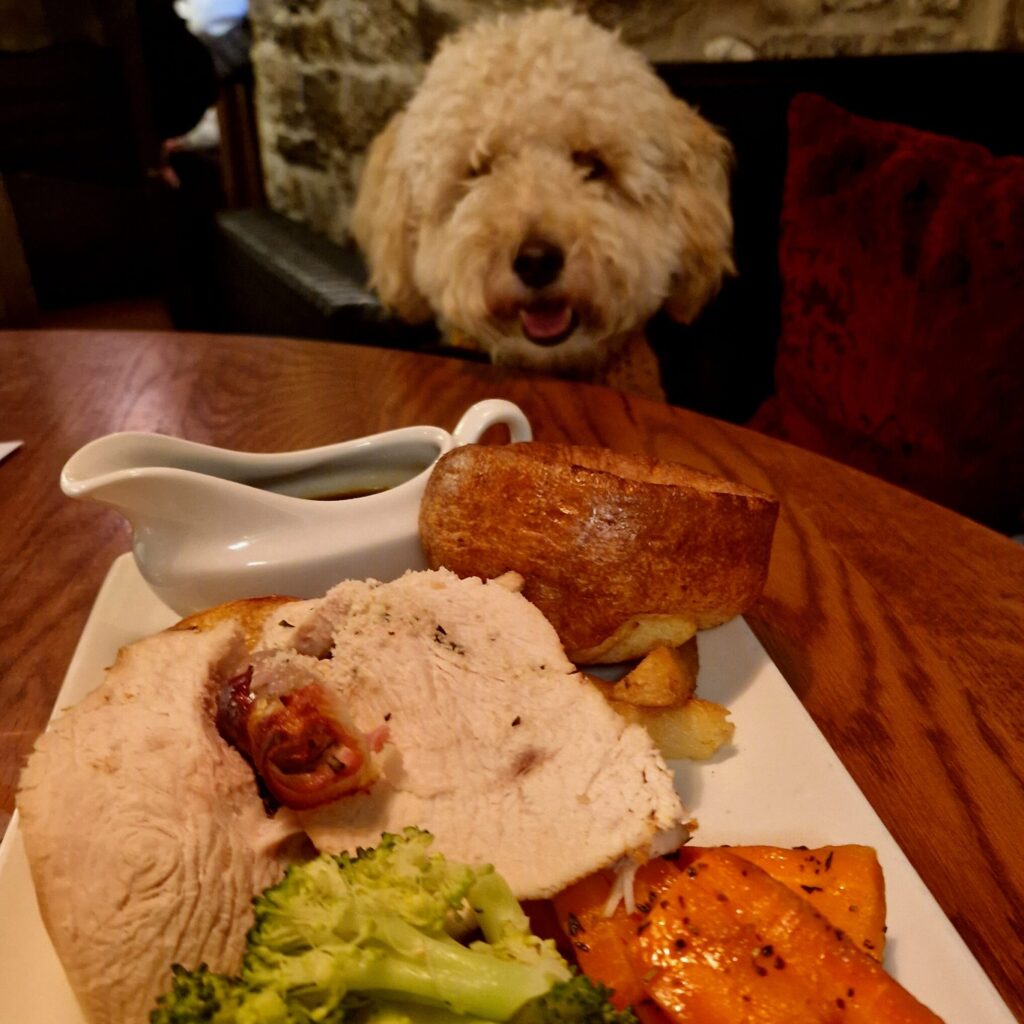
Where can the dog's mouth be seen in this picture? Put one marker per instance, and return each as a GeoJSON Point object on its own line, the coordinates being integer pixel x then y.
{"type": "Point", "coordinates": [548, 321]}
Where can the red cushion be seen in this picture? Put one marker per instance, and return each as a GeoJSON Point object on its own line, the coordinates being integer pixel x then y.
{"type": "Point", "coordinates": [902, 347]}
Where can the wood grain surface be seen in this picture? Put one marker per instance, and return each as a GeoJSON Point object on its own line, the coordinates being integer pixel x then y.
{"type": "Point", "coordinates": [899, 625]}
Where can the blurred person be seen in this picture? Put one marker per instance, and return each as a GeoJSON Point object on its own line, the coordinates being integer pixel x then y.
{"type": "Point", "coordinates": [223, 25]}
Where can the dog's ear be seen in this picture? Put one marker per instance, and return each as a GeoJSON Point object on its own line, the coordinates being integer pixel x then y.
{"type": "Point", "coordinates": [384, 226]}
{"type": "Point", "coordinates": [701, 207]}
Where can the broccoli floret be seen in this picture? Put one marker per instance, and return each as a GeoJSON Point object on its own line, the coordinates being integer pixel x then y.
{"type": "Point", "coordinates": [577, 1001]}
{"type": "Point", "coordinates": [369, 940]}
{"type": "Point", "coordinates": [198, 995]}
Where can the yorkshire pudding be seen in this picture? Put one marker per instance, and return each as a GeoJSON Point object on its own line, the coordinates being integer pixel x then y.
{"type": "Point", "coordinates": [622, 553]}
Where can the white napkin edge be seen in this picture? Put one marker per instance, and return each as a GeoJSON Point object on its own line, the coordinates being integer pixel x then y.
{"type": "Point", "coordinates": [6, 447]}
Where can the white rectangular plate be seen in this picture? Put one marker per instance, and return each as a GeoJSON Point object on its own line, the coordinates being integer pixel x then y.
{"type": "Point", "coordinates": [780, 783]}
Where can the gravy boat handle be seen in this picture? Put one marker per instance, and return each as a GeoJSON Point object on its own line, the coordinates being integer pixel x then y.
{"type": "Point", "coordinates": [479, 418]}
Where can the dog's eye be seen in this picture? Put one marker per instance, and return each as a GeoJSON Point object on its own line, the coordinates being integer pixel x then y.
{"type": "Point", "coordinates": [593, 167]}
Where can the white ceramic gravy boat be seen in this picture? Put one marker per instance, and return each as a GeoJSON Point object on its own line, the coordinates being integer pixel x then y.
{"type": "Point", "coordinates": [211, 525]}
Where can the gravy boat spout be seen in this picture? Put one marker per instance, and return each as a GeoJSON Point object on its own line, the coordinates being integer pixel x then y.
{"type": "Point", "coordinates": [212, 525]}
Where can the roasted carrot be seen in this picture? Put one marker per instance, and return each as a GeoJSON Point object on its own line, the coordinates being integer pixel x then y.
{"type": "Point", "coordinates": [600, 943]}
{"type": "Point", "coordinates": [725, 943]}
{"type": "Point", "coordinates": [842, 882]}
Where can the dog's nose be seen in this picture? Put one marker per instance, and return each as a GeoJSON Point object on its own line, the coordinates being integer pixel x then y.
{"type": "Point", "coordinates": [538, 263]}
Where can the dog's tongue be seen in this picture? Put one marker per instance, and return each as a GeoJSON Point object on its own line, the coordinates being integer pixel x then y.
{"type": "Point", "coordinates": [544, 322]}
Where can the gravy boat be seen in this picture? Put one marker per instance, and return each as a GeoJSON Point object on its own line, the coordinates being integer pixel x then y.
{"type": "Point", "coordinates": [211, 525]}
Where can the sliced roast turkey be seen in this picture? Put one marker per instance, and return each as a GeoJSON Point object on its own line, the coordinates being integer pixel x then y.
{"type": "Point", "coordinates": [496, 744]}
{"type": "Point", "coordinates": [144, 830]}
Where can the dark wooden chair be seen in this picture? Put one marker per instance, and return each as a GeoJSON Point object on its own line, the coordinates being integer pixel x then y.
{"type": "Point", "coordinates": [18, 306]}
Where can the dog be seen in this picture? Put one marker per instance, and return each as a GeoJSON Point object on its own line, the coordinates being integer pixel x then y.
{"type": "Point", "coordinates": [542, 195]}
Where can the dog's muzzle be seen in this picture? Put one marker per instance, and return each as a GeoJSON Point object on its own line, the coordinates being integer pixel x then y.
{"type": "Point", "coordinates": [547, 320]}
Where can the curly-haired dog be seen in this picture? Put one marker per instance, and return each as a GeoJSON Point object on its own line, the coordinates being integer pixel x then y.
{"type": "Point", "coordinates": [542, 195]}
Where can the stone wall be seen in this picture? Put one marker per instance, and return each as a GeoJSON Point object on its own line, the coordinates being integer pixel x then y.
{"type": "Point", "coordinates": [331, 72]}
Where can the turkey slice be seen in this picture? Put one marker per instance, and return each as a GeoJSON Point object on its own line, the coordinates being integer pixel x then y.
{"type": "Point", "coordinates": [498, 746]}
{"type": "Point", "coordinates": [145, 833]}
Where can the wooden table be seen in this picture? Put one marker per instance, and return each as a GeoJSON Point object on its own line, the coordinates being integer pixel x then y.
{"type": "Point", "coordinates": [899, 625]}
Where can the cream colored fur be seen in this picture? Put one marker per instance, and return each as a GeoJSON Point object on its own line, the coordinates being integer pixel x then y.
{"type": "Point", "coordinates": [544, 126]}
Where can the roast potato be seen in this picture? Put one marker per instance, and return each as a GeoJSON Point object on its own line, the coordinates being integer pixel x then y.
{"type": "Point", "coordinates": [694, 730]}
{"type": "Point", "coordinates": [665, 678]}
